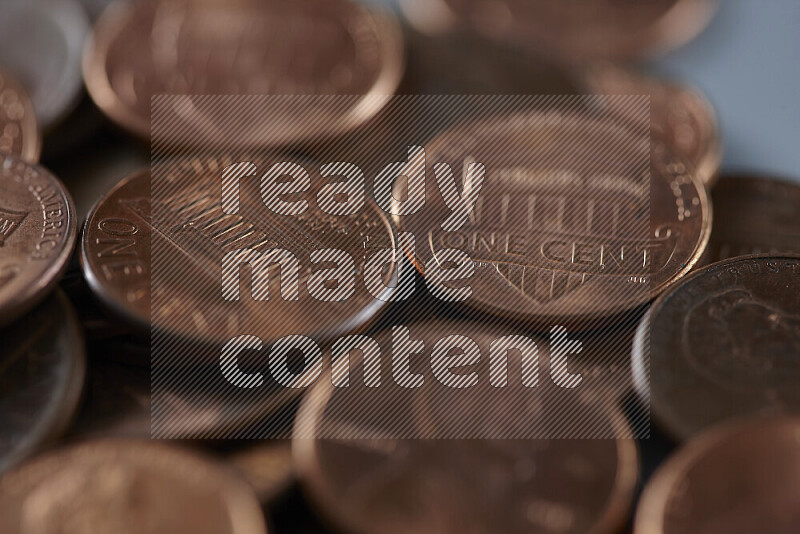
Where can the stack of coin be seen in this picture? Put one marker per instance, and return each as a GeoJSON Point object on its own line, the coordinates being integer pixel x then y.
{"type": "Point", "coordinates": [683, 281]}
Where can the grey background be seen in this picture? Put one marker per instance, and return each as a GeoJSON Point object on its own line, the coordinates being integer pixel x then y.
{"type": "Point", "coordinates": [747, 62]}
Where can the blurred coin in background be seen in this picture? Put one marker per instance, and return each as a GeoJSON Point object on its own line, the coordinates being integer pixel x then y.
{"type": "Point", "coordinates": [682, 115]}
{"type": "Point", "coordinates": [127, 487]}
{"type": "Point", "coordinates": [736, 479]}
{"type": "Point", "coordinates": [19, 132]}
{"type": "Point", "coordinates": [571, 227]}
{"type": "Point", "coordinates": [570, 29]}
{"type": "Point", "coordinates": [42, 372]}
{"type": "Point", "coordinates": [754, 214]}
{"type": "Point", "coordinates": [41, 44]}
{"type": "Point", "coordinates": [723, 343]}
{"type": "Point", "coordinates": [244, 47]}
{"type": "Point", "coordinates": [366, 481]}
{"type": "Point", "coordinates": [37, 235]}
{"type": "Point", "coordinates": [266, 466]}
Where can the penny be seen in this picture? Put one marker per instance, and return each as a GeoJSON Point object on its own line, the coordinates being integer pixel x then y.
{"type": "Point", "coordinates": [754, 215]}
{"type": "Point", "coordinates": [683, 115]}
{"type": "Point", "coordinates": [247, 47]}
{"type": "Point", "coordinates": [363, 455]}
{"type": "Point", "coordinates": [37, 235]}
{"type": "Point", "coordinates": [723, 343]}
{"type": "Point", "coordinates": [569, 228]}
{"type": "Point", "coordinates": [126, 487]}
{"type": "Point", "coordinates": [697, 491]}
{"type": "Point", "coordinates": [42, 373]}
{"type": "Point", "coordinates": [573, 30]}
{"type": "Point", "coordinates": [266, 466]}
{"type": "Point", "coordinates": [182, 225]}
{"type": "Point", "coordinates": [19, 132]}
{"type": "Point", "coordinates": [41, 44]}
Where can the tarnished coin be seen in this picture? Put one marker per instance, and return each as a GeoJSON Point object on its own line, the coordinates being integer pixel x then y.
{"type": "Point", "coordinates": [42, 371]}
{"type": "Point", "coordinates": [737, 479]}
{"type": "Point", "coordinates": [571, 226]}
{"type": "Point", "coordinates": [725, 342]}
{"type": "Point", "coordinates": [266, 466]}
{"type": "Point", "coordinates": [126, 487]}
{"type": "Point", "coordinates": [248, 47]}
{"type": "Point", "coordinates": [41, 44]}
{"type": "Point", "coordinates": [19, 132]}
{"type": "Point", "coordinates": [574, 30]}
{"type": "Point", "coordinates": [754, 215]}
{"type": "Point", "coordinates": [682, 115]}
{"type": "Point", "coordinates": [37, 235]}
{"type": "Point", "coordinates": [365, 480]}
{"type": "Point", "coordinates": [182, 224]}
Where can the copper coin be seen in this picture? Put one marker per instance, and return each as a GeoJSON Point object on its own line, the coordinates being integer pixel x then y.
{"type": "Point", "coordinates": [570, 227]}
{"type": "Point", "coordinates": [245, 47]}
{"type": "Point", "coordinates": [19, 133]}
{"type": "Point", "coordinates": [126, 487]}
{"type": "Point", "coordinates": [41, 44]}
{"type": "Point", "coordinates": [754, 215]}
{"type": "Point", "coordinates": [37, 235]}
{"type": "Point", "coordinates": [364, 479]}
{"type": "Point", "coordinates": [572, 29]}
{"type": "Point", "coordinates": [266, 466]}
{"type": "Point", "coordinates": [699, 490]}
{"type": "Point", "coordinates": [42, 373]}
{"type": "Point", "coordinates": [684, 117]}
{"type": "Point", "coordinates": [183, 223]}
{"type": "Point", "coordinates": [725, 342]}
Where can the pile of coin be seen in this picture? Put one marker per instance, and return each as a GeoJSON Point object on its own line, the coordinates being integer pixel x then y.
{"type": "Point", "coordinates": [706, 340]}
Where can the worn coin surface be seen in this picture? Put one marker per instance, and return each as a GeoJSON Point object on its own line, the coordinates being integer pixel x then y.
{"type": "Point", "coordinates": [183, 226]}
{"type": "Point", "coordinates": [42, 372]}
{"type": "Point", "coordinates": [41, 44]}
{"type": "Point", "coordinates": [684, 117]}
{"type": "Point", "coordinates": [126, 487]}
{"type": "Point", "coordinates": [571, 225]}
{"type": "Point", "coordinates": [367, 479]}
{"type": "Point", "coordinates": [754, 215]}
{"type": "Point", "coordinates": [725, 342]}
{"type": "Point", "coordinates": [37, 235]}
{"type": "Point", "coordinates": [247, 47]}
{"type": "Point", "coordinates": [571, 29]}
{"type": "Point", "coordinates": [698, 491]}
{"type": "Point", "coordinates": [19, 131]}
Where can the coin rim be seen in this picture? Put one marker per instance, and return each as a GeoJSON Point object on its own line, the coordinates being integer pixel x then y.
{"type": "Point", "coordinates": [117, 15]}
{"type": "Point", "coordinates": [643, 388]}
{"type": "Point", "coordinates": [651, 511]}
{"type": "Point", "coordinates": [29, 297]}
{"type": "Point", "coordinates": [64, 403]}
{"type": "Point", "coordinates": [31, 148]}
{"type": "Point", "coordinates": [617, 508]}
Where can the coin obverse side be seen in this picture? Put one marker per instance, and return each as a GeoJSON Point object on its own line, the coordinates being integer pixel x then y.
{"type": "Point", "coordinates": [42, 372]}
{"type": "Point", "coordinates": [19, 132]}
{"type": "Point", "coordinates": [366, 483]}
{"type": "Point", "coordinates": [754, 215]}
{"type": "Point", "coordinates": [697, 490]}
{"type": "Point", "coordinates": [572, 30]}
{"type": "Point", "coordinates": [42, 43]}
{"type": "Point", "coordinates": [37, 235]}
{"type": "Point", "coordinates": [288, 47]}
{"type": "Point", "coordinates": [723, 343]}
{"type": "Point", "coordinates": [126, 487]}
{"type": "Point", "coordinates": [570, 227]}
